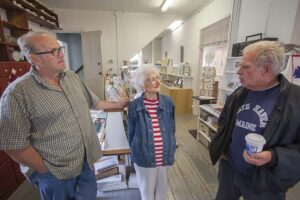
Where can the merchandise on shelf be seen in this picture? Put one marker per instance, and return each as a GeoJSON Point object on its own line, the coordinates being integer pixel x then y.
{"type": "Point", "coordinates": [208, 76]}
{"type": "Point", "coordinates": [230, 80]}
{"type": "Point", "coordinates": [116, 88]}
{"type": "Point", "coordinates": [208, 122]}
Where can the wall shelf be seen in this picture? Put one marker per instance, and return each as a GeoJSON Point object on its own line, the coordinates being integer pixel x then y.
{"type": "Point", "coordinates": [40, 17]}
{"type": "Point", "coordinates": [230, 80]}
{"type": "Point", "coordinates": [10, 25]}
{"type": "Point", "coordinates": [187, 81]}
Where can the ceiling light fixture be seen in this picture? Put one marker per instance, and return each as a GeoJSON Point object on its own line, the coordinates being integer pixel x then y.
{"type": "Point", "coordinates": [166, 5]}
{"type": "Point", "coordinates": [175, 25]}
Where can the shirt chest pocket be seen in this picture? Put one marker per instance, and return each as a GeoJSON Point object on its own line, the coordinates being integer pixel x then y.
{"type": "Point", "coordinates": [53, 105]}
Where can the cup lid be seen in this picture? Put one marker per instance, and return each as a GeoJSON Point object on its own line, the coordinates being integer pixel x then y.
{"type": "Point", "coordinates": [254, 137]}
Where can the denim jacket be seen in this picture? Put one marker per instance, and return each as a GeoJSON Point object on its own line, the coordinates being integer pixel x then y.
{"type": "Point", "coordinates": [140, 132]}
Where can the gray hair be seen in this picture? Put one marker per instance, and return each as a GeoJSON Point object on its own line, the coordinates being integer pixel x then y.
{"type": "Point", "coordinates": [141, 76]}
{"type": "Point", "coordinates": [27, 45]}
{"type": "Point", "coordinates": [268, 52]}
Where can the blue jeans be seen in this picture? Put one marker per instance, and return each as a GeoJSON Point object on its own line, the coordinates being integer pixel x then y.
{"type": "Point", "coordinates": [82, 187]}
{"type": "Point", "coordinates": [233, 185]}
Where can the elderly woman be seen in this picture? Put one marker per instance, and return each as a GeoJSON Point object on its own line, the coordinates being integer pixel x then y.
{"type": "Point", "coordinates": [151, 131]}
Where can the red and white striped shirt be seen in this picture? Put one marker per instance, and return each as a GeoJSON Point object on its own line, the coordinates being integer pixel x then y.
{"type": "Point", "coordinates": [151, 107]}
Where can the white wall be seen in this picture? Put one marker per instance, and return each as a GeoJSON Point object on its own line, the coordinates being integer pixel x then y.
{"type": "Point", "coordinates": [77, 21]}
{"type": "Point", "coordinates": [188, 35]}
{"type": "Point", "coordinates": [273, 18]}
{"type": "Point", "coordinates": [296, 32]}
{"type": "Point", "coordinates": [134, 31]}
{"type": "Point", "coordinates": [156, 51]}
{"type": "Point", "coordinates": [147, 53]}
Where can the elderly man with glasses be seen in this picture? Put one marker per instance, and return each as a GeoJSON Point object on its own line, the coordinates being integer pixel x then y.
{"type": "Point", "coordinates": [46, 125]}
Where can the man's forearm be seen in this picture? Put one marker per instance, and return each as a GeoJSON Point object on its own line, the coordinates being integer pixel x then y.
{"type": "Point", "coordinates": [108, 105]}
{"type": "Point", "coordinates": [28, 157]}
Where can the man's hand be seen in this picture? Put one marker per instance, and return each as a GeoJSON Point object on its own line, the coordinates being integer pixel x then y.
{"type": "Point", "coordinates": [124, 101]}
{"type": "Point", "coordinates": [29, 157]}
{"type": "Point", "coordinates": [258, 159]}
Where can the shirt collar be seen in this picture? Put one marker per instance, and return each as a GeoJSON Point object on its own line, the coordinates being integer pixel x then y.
{"type": "Point", "coordinates": [33, 71]}
{"type": "Point", "coordinates": [141, 106]}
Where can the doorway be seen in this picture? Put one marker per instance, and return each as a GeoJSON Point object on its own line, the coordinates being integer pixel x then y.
{"type": "Point", "coordinates": [73, 53]}
{"type": "Point", "coordinates": [92, 60]}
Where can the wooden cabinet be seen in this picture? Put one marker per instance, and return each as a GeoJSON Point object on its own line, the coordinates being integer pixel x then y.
{"type": "Point", "coordinates": [18, 13]}
{"type": "Point", "coordinates": [182, 98]}
{"type": "Point", "coordinates": [10, 176]}
{"type": "Point", "coordinates": [30, 10]}
{"type": "Point", "coordinates": [9, 71]}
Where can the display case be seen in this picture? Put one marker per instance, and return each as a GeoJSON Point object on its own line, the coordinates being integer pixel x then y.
{"type": "Point", "coordinates": [208, 122]}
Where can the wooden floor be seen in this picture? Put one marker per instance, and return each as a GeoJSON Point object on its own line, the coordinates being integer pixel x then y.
{"type": "Point", "coordinates": [192, 177]}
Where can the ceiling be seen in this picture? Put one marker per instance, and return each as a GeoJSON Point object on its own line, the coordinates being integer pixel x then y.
{"type": "Point", "coordinates": [181, 8]}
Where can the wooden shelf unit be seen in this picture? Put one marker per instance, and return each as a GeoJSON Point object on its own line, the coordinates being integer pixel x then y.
{"type": "Point", "coordinates": [30, 10]}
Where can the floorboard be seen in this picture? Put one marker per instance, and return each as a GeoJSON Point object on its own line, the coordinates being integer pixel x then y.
{"type": "Point", "coordinates": [192, 177]}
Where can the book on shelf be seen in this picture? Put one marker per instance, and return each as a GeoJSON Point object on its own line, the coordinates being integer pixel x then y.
{"type": "Point", "coordinates": [107, 172]}
{"type": "Point", "coordinates": [115, 182]}
{"type": "Point", "coordinates": [106, 162]}
{"type": "Point", "coordinates": [214, 108]}
{"type": "Point", "coordinates": [218, 110]}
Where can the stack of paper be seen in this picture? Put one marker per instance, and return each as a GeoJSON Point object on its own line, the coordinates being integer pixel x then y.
{"type": "Point", "coordinates": [106, 162]}
{"type": "Point", "coordinates": [116, 182]}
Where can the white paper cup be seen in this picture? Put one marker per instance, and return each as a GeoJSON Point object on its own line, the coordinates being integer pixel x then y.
{"type": "Point", "coordinates": [254, 143]}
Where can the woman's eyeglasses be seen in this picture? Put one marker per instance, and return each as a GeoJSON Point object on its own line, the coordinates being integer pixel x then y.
{"type": "Point", "coordinates": [153, 79]}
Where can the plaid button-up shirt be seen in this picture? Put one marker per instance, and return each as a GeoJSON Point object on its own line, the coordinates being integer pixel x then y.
{"type": "Point", "coordinates": [56, 122]}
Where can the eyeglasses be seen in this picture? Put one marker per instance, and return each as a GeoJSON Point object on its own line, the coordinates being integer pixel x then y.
{"type": "Point", "coordinates": [55, 52]}
{"type": "Point", "coordinates": [153, 79]}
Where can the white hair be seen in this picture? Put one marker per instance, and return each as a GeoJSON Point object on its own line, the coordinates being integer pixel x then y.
{"type": "Point", "coordinates": [26, 44]}
{"type": "Point", "coordinates": [141, 76]}
{"type": "Point", "coordinates": [268, 52]}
